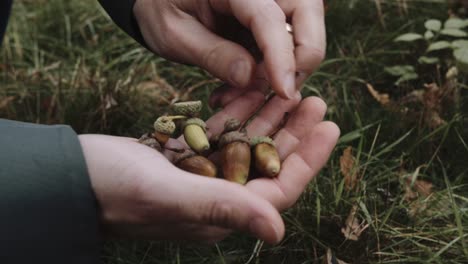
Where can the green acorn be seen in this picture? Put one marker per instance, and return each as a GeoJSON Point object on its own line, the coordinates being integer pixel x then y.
{"type": "Point", "coordinates": [164, 127]}
{"type": "Point", "coordinates": [235, 156]}
{"type": "Point", "coordinates": [195, 135]}
{"type": "Point", "coordinates": [266, 157]}
{"type": "Point", "coordinates": [191, 108]}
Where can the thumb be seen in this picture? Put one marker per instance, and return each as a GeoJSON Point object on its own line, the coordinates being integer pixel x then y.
{"type": "Point", "coordinates": [224, 59]}
{"type": "Point", "coordinates": [229, 205]}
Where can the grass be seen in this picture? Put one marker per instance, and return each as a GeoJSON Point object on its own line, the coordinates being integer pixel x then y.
{"type": "Point", "coordinates": [65, 62]}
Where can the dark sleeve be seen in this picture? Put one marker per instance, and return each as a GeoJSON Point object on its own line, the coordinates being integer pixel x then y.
{"type": "Point", "coordinates": [48, 211]}
{"type": "Point", "coordinates": [5, 7]}
{"type": "Point", "coordinates": [121, 12]}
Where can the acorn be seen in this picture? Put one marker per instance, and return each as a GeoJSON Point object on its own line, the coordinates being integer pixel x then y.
{"type": "Point", "coordinates": [195, 135]}
{"type": "Point", "coordinates": [164, 127]}
{"type": "Point", "coordinates": [149, 141]}
{"type": "Point", "coordinates": [191, 162]}
{"type": "Point", "coordinates": [235, 156]}
{"type": "Point", "coordinates": [266, 157]}
{"type": "Point", "coordinates": [190, 108]}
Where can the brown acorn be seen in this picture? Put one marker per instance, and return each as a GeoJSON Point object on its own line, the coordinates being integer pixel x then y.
{"type": "Point", "coordinates": [235, 156]}
{"type": "Point", "coordinates": [266, 157]}
{"type": "Point", "coordinates": [164, 127]}
{"type": "Point", "coordinates": [191, 162]}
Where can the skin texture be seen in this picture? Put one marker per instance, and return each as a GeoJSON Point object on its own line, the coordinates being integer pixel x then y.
{"type": "Point", "coordinates": [211, 34]}
{"type": "Point", "coordinates": [142, 195]}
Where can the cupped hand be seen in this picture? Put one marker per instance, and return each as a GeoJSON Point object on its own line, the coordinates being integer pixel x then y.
{"type": "Point", "coordinates": [142, 195]}
{"type": "Point", "coordinates": [203, 33]}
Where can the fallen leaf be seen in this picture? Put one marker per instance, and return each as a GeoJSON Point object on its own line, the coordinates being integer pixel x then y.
{"type": "Point", "coordinates": [382, 98]}
{"type": "Point", "coordinates": [415, 188]}
{"type": "Point", "coordinates": [348, 169]}
{"type": "Point", "coordinates": [432, 101]}
{"type": "Point", "coordinates": [353, 226]}
{"type": "Point", "coordinates": [330, 258]}
{"type": "Point", "coordinates": [4, 102]}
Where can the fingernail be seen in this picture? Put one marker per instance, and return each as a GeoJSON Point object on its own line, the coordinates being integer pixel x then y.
{"type": "Point", "coordinates": [240, 73]}
{"type": "Point", "coordinates": [289, 85]}
{"type": "Point", "coordinates": [261, 229]}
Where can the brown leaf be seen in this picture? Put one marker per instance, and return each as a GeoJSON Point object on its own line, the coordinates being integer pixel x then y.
{"type": "Point", "coordinates": [348, 169]}
{"type": "Point", "coordinates": [420, 188]}
{"type": "Point", "coordinates": [382, 98]}
{"type": "Point", "coordinates": [4, 102]}
{"type": "Point", "coordinates": [353, 226]}
{"type": "Point", "coordinates": [330, 258]}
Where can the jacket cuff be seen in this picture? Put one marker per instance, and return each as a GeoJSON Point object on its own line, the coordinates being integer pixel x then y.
{"type": "Point", "coordinates": [47, 205]}
{"type": "Point", "coordinates": [121, 12]}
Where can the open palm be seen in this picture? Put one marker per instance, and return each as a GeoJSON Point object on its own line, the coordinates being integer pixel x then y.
{"type": "Point", "coordinates": [141, 194]}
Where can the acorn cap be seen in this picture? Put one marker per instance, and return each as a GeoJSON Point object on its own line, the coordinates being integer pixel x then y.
{"type": "Point", "coordinates": [149, 141]}
{"type": "Point", "coordinates": [261, 139]}
{"type": "Point", "coordinates": [191, 108]}
{"type": "Point", "coordinates": [184, 155]}
{"type": "Point", "coordinates": [232, 137]}
{"type": "Point", "coordinates": [196, 121]}
{"type": "Point", "coordinates": [164, 125]}
{"type": "Point", "coordinates": [231, 124]}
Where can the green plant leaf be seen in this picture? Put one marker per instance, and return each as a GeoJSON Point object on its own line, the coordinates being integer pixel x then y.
{"type": "Point", "coordinates": [461, 55]}
{"type": "Point", "coordinates": [428, 35]}
{"type": "Point", "coordinates": [461, 43]}
{"type": "Point", "coordinates": [453, 32]}
{"type": "Point", "coordinates": [408, 37]}
{"type": "Point", "coordinates": [439, 45]}
{"type": "Point", "coordinates": [407, 77]}
{"type": "Point", "coordinates": [428, 60]}
{"type": "Point", "coordinates": [454, 22]}
{"type": "Point", "coordinates": [399, 70]}
{"type": "Point", "coordinates": [433, 24]}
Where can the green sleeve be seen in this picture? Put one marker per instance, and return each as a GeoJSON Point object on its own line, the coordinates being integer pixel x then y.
{"type": "Point", "coordinates": [48, 211]}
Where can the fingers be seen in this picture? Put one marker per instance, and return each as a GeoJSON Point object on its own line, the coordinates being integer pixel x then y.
{"type": "Point", "coordinates": [241, 109]}
{"type": "Point", "coordinates": [179, 36]}
{"type": "Point", "coordinates": [272, 115]}
{"type": "Point", "coordinates": [225, 94]}
{"type": "Point", "coordinates": [299, 168]}
{"type": "Point", "coordinates": [309, 34]}
{"type": "Point", "coordinates": [310, 112]}
{"type": "Point", "coordinates": [267, 22]}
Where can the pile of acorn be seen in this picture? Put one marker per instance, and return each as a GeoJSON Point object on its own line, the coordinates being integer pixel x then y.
{"type": "Point", "coordinates": [239, 154]}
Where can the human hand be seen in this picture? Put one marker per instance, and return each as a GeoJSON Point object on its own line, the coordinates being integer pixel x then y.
{"type": "Point", "coordinates": [142, 195]}
{"type": "Point", "coordinates": [197, 32]}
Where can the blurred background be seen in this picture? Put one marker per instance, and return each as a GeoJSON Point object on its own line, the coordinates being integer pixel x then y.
{"type": "Point", "coordinates": [395, 81]}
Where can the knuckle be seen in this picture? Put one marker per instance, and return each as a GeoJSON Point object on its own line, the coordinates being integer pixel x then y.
{"type": "Point", "coordinates": [267, 12]}
{"type": "Point", "coordinates": [211, 56]}
{"type": "Point", "coordinates": [220, 214]}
